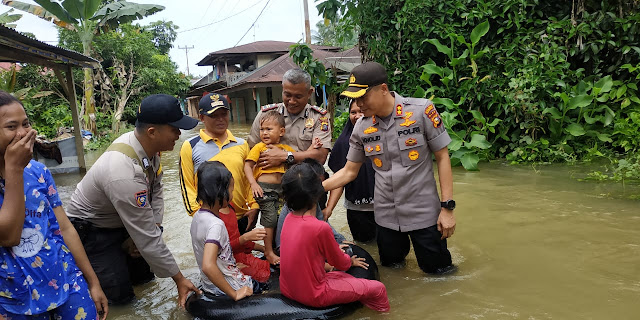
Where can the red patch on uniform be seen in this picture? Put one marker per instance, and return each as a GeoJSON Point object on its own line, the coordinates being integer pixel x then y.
{"type": "Point", "coordinates": [399, 110]}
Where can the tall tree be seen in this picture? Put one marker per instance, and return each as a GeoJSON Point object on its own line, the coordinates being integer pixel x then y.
{"type": "Point", "coordinates": [87, 18]}
{"type": "Point", "coordinates": [164, 34]}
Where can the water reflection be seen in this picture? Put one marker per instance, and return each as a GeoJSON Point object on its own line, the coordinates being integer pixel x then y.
{"type": "Point", "coordinates": [530, 243]}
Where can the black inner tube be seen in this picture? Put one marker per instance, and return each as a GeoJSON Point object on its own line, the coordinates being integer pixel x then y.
{"type": "Point", "coordinates": [273, 305]}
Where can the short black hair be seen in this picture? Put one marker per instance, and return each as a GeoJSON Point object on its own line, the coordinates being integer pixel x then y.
{"type": "Point", "coordinates": [141, 127]}
{"type": "Point", "coordinates": [213, 183]}
{"type": "Point", "coordinates": [6, 98]}
{"type": "Point", "coordinates": [273, 115]}
{"type": "Point", "coordinates": [301, 187]}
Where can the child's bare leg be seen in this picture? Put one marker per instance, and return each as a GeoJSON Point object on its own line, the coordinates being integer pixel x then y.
{"type": "Point", "coordinates": [268, 247]}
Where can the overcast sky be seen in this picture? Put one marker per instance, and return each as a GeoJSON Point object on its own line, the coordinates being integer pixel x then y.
{"type": "Point", "coordinates": [282, 20]}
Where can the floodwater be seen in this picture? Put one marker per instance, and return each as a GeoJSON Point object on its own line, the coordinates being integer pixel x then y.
{"type": "Point", "coordinates": [531, 242]}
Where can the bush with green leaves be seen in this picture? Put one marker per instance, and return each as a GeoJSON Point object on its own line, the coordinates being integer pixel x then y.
{"type": "Point", "coordinates": [525, 80]}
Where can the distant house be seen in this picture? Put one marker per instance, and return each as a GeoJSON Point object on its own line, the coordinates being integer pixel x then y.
{"type": "Point", "coordinates": [251, 74]}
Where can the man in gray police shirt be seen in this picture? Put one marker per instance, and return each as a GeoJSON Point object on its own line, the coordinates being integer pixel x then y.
{"type": "Point", "coordinates": [399, 135]}
{"type": "Point", "coordinates": [118, 206]}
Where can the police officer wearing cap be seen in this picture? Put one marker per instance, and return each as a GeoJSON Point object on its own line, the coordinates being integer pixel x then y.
{"type": "Point", "coordinates": [118, 206]}
{"type": "Point", "coordinates": [303, 123]}
{"type": "Point", "coordinates": [399, 135]}
{"type": "Point", "coordinates": [216, 143]}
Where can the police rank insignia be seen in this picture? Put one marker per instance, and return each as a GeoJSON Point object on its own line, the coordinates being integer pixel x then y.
{"type": "Point", "coordinates": [141, 198]}
{"type": "Point", "coordinates": [410, 142]}
{"type": "Point", "coordinates": [377, 162]}
{"type": "Point", "coordinates": [308, 123]}
{"type": "Point", "coordinates": [378, 147]}
{"type": "Point", "coordinates": [413, 155]}
{"type": "Point", "coordinates": [370, 130]}
{"type": "Point", "coordinates": [407, 120]}
{"type": "Point", "coordinates": [399, 110]}
{"type": "Point", "coordinates": [433, 115]}
{"type": "Point", "coordinates": [368, 149]}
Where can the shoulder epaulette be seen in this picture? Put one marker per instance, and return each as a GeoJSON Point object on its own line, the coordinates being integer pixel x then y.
{"type": "Point", "coordinates": [417, 101]}
{"type": "Point", "coordinates": [268, 107]}
{"type": "Point", "coordinates": [319, 110]}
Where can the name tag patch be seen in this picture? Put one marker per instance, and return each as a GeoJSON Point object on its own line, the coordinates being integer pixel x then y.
{"type": "Point", "coordinates": [141, 198]}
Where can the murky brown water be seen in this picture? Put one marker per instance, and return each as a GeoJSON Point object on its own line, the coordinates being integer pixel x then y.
{"type": "Point", "coordinates": [531, 243]}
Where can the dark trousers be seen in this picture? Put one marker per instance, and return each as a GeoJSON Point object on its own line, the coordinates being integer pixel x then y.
{"type": "Point", "coordinates": [431, 252]}
{"type": "Point", "coordinates": [362, 225]}
{"type": "Point", "coordinates": [115, 268]}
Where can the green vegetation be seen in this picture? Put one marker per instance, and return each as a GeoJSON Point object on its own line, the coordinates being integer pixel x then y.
{"type": "Point", "coordinates": [87, 18]}
{"type": "Point", "coordinates": [132, 67]}
{"type": "Point", "coordinates": [522, 80]}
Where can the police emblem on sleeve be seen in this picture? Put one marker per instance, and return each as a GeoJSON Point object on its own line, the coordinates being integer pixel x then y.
{"type": "Point", "coordinates": [141, 198]}
{"type": "Point", "coordinates": [433, 115]}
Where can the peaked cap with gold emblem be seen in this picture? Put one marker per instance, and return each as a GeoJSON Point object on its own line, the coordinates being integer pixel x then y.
{"type": "Point", "coordinates": [212, 102]}
{"type": "Point", "coordinates": [364, 77]}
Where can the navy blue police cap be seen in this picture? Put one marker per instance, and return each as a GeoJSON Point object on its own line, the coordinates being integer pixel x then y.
{"type": "Point", "coordinates": [164, 109]}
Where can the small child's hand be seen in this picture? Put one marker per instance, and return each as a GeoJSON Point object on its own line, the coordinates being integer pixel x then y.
{"type": "Point", "coordinates": [241, 265]}
{"type": "Point", "coordinates": [257, 190]}
{"type": "Point", "coordinates": [359, 262]}
{"type": "Point", "coordinates": [256, 234]}
{"type": "Point", "coordinates": [242, 293]}
{"type": "Point", "coordinates": [316, 144]}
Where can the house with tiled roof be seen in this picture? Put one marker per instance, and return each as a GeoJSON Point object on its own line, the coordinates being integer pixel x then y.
{"type": "Point", "coordinates": [251, 74]}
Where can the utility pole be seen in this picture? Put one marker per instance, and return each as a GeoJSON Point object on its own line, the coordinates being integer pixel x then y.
{"type": "Point", "coordinates": [307, 27]}
{"type": "Point", "coordinates": [186, 51]}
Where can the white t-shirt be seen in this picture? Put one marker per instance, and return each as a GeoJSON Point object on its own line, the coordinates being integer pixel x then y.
{"type": "Point", "coordinates": [206, 227]}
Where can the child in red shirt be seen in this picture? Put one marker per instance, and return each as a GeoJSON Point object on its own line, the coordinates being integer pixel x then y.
{"type": "Point", "coordinates": [306, 243]}
{"type": "Point", "coordinates": [242, 245]}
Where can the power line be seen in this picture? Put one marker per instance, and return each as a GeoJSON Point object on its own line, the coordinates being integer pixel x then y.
{"type": "Point", "coordinates": [205, 11]}
{"type": "Point", "coordinates": [227, 18]}
{"type": "Point", "coordinates": [254, 22]}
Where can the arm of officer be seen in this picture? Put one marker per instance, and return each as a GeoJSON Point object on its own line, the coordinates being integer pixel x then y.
{"type": "Point", "coordinates": [137, 216]}
{"type": "Point", "coordinates": [343, 176]}
{"type": "Point", "coordinates": [188, 188]}
{"type": "Point", "coordinates": [446, 219]}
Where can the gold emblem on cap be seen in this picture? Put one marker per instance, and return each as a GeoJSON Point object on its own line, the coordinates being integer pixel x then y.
{"type": "Point", "coordinates": [215, 97]}
{"type": "Point", "coordinates": [352, 79]}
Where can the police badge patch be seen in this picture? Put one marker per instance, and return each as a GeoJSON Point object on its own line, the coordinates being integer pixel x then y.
{"type": "Point", "coordinates": [141, 198]}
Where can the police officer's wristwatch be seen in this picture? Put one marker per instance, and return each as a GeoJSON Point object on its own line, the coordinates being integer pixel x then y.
{"type": "Point", "coordinates": [449, 204]}
{"type": "Point", "coordinates": [290, 158]}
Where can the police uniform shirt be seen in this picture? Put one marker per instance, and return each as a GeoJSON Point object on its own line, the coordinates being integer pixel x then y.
{"type": "Point", "coordinates": [406, 196]}
{"type": "Point", "coordinates": [115, 193]}
{"type": "Point", "coordinates": [300, 129]}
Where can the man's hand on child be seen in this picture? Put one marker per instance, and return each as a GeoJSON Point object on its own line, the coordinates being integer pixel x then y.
{"type": "Point", "coordinates": [359, 262]}
{"type": "Point", "coordinates": [242, 293]}
{"type": "Point", "coordinates": [272, 157]}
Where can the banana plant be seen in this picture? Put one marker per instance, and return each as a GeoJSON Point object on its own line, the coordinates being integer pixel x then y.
{"type": "Point", "coordinates": [7, 18]}
{"type": "Point", "coordinates": [88, 18]}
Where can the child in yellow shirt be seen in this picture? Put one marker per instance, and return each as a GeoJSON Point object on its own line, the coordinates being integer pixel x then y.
{"type": "Point", "coordinates": [265, 183]}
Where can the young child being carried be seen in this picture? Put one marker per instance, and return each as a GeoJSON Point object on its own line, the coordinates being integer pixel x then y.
{"type": "Point", "coordinates": [218, 270]}
{"type": "Point", "coordinates": [265, 183]}
{"type": "Point", "coordinates": [308, 242]}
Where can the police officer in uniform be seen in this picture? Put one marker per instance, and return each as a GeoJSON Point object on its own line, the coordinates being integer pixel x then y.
{"type": "Point", "coordinates": [399, 135]}
{"type": "Point", "coordinates": [303, 123]}
{"type": "Point", "coordinates": [118, 206]}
